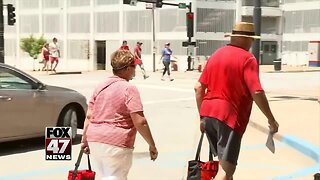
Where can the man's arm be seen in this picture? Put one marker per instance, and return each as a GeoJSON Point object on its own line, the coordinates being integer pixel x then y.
{"type": "Point", "coordinates": [260, 99]}
{"type": "Point", "coordinates": [200, 90]}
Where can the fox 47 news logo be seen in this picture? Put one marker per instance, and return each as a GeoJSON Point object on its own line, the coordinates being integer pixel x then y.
{"type": "Point", "coordinates": [58, 143]}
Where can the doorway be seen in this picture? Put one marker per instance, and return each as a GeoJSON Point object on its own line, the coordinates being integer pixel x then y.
{"type": "Point", "coordinates": [269, 52]}
{"type": "Point", "coordinates": [101, 55]}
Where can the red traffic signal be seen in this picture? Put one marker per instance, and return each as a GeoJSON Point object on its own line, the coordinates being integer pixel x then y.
{"type": "Point", "coordinates": [189, 17]}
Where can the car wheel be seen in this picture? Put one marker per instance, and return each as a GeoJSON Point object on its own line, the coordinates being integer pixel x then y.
{"type": "Point", "coordinates": [70, 119]}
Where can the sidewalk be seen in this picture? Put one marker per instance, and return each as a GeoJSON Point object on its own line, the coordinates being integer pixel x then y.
{"type": "Point", "coordinates": [288, 68]}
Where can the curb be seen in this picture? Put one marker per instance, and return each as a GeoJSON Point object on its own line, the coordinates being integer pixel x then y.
{"type": "Point", "coordinates": [296, 143]}
{"type": "Point", "coordinates": [63, 73]}
{"type": "Point", "coordinates": [293, 71]}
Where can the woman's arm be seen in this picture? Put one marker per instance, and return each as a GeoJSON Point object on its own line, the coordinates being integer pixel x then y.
{"type": "Point", "coordinates": [142, 127]}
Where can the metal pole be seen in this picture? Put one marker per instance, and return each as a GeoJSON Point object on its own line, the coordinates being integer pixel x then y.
{"type": "Point", "coordinates": [153, 40]}
{"type": "Point", "coordinates": [189, 41]}
{"type": "Point", "coordinates": [1, 33]}
{"type": "Point", "coordinates": [257, 24]}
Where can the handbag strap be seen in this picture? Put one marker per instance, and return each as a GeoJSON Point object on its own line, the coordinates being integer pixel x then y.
{"type": "Point", "coordinates": [199, 149]}
{"type": "Point", "coordinates": [74, 173]}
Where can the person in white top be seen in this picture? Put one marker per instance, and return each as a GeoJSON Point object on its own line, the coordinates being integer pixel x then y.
{"type": "Point", "coordinates": [54, 53]}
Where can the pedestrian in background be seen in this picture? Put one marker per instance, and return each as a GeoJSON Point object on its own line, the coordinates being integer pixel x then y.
{"type": "Point", "coordinates": [225, 92]}
{"type": "Point", "coordinates": [114, 116]}
{"type": "Point", "coordinates": [124, 45]}
{"type": "Point", "coordinates": [45, 56]}
{"type": "Point", "coordinates": [137, 56]}
{"type": "Point", "coordinates": [166, 57]}
{"type": "Point", "coordinates": [54, 50]}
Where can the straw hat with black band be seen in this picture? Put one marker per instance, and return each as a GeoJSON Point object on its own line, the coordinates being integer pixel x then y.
{"type": "Point", "coordinates": [243, 29]}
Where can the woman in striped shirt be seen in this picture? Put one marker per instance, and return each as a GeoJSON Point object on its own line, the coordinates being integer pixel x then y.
{"type": "Point", "coordinates": [114, 116]}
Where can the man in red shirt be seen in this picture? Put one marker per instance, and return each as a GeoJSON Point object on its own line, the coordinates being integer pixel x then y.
{"type": "Point", "coordinates": [124, 45]}
{"type": "Point", "coordinates": [137, 55]}
{"type": "Point", "coordinates": [225, 92]}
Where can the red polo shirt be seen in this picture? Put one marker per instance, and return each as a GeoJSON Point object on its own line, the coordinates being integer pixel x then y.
{"type": "Point", "coordinates": [124, 47]}
{"type": "Point", "coordinates": [231, 75]}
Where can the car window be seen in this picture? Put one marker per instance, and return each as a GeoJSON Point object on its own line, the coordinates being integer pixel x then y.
{"type": "Point", "coordinates": [12, 80]}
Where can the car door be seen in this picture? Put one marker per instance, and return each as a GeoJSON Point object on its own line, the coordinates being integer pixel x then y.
{"type": "Point", "coordinates": [17, 104]}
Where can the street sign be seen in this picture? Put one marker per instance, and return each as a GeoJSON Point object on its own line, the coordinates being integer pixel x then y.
{"type": "Point", "coordinates": [186, 43]}
{"type": "Point", "coordinates": [182, 5]}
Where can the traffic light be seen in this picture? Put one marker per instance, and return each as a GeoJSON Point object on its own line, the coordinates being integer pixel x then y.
{"type": "Point", "coordinates": [159, 3]}
{"type": "Point", "coordinates": [126, 1]}
{"type": "Point", "coordinates": [130, 2]}
{"type": "Point", "coordinates": [11, 14]}
{"type": "Point", "coordinates": [190, 18]}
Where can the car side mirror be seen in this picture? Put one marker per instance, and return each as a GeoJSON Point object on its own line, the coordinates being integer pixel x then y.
{"type": "Point", "coordinates": [41, 86]}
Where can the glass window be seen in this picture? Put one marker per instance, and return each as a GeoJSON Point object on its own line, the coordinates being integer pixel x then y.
{"type": "Point", "coordinates": [29, 24]}
{"type": "Point", "coordinates": [215, 20]}
{"type": "Point", "coordinates": [77, 3]}
{"type": "Point", "coordinates": [137, 21]}
{"type": "Point", "coordinates": [11, 80]}
{"type": "Point", "coordinates": [52, 23]}
{"type": "Point", "coordinates": [311, 21]}
{"type": "Point", "coordinates": [273, 48]}
{"type": "Point", "coordinates": [110, 18]}
{"type": "Point", "coordinates": [266, 48]}
{"type": "Point", "coordinates": [52, 3]}
{"type": "Point", "coordinates": [172, 20]}
{"type": "Point", "coordinates": [78, 49]}
{"type": "Point", "coordinates": [106, 2]}
{"type": "Point", "coordinates": [295, 45]}
{"type": "Point", "coordinates": [29, 4]}
{"type": "Point", "coordinates": [79, 23]}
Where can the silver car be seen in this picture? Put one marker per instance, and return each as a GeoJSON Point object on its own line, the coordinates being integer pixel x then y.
{"type": "Point", "coordinates": [27, 106]}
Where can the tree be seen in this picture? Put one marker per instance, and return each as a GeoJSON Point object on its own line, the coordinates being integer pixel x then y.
{"type": "Point", "coordinates": [32, 46]}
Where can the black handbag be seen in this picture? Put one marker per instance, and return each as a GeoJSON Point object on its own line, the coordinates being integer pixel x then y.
{"type": "Point", "coordinates": [199, 170]}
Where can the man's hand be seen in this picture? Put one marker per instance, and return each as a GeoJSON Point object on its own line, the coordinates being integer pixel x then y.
{"type": "Point", "coordinates": [202, 125]}
{"type": "Point", "coordinates": [153, 152]}
{"type": "Point", "coordinates": [273, 126]}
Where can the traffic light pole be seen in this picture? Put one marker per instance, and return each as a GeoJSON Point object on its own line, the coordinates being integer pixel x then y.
{"type": "Point", "coordinates": [257, 24]}
{"type": "Point", "coordinates": [189, 41]}
{"type": "Point", "coordinates": [153, 41]}
{"type": "Point", "coordinates": [1, 33]}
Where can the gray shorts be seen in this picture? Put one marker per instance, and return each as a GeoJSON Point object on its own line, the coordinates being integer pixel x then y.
{"type": "Point", "coordinates": [224, 141]}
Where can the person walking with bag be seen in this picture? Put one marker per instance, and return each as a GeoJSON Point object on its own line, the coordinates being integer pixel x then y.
{"type": "Point", "coordinates": [225, 92]}
{"type": "Point", "coordinates": [115, 114]}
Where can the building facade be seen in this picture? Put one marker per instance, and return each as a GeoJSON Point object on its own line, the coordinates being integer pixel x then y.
{"type": "Point", "coordinates": [88, 31]}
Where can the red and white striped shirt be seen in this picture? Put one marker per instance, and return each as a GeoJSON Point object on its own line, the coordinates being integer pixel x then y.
{"type": "Point", "coordinates": [111, 107]}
